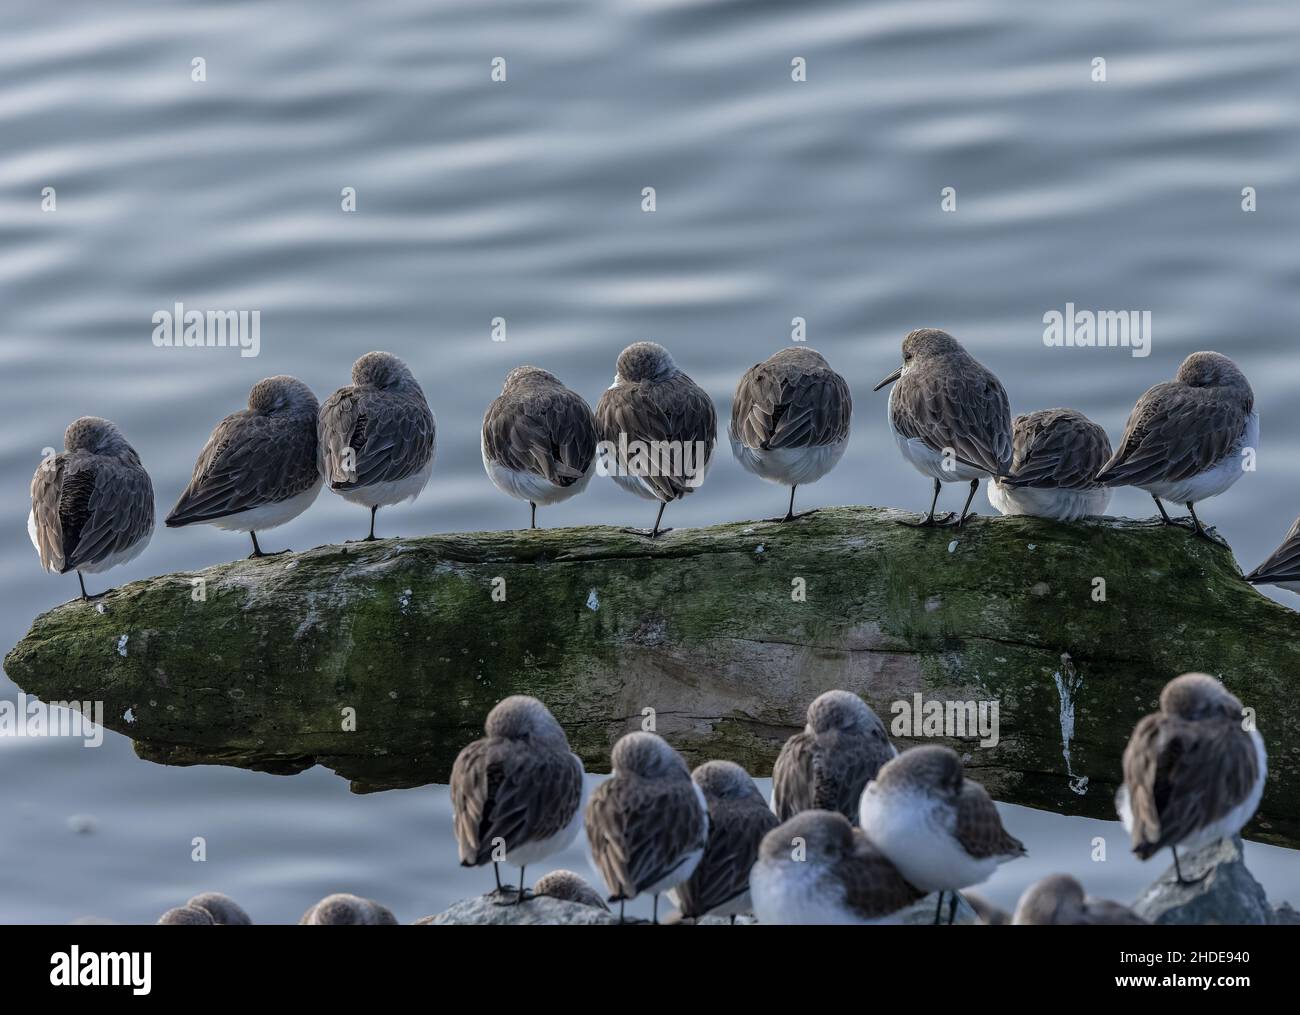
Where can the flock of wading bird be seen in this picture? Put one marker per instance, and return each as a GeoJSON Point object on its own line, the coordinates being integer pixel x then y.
{"type": "Point", "coordinates": [855, 832]}
{"type": "Point", "coordinates": [653, 431]}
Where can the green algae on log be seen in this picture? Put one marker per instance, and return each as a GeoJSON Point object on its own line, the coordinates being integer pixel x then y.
{"type": "Point", "coordinates": [380, 660]}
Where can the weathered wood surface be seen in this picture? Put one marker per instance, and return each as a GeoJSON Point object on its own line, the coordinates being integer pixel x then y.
{"type": "Point", "coordinates": [700, 626]}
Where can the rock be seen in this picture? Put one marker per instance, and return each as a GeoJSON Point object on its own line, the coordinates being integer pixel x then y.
{"type": "Point", "coordinates": [541, 909]}
{"type": "Point", "coordinates": [1229, 893]}
{"type": "Point", "coordinates": [347, 911]}
{"type": "Point", "coordinates": [922, 911]}
{"type": "Point", "coordinates": [224, 910]}
{"type": "Point", "coordinates": [1286, 914]}
{"type": "Point", "coordinates": [187, 915]}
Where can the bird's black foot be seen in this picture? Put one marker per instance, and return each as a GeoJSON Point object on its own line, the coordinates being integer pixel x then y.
{"type": "Point", "coordinates": [929, 522]}
{"type": "Point", "coordinates": [1188, 882]}
{"type": "Point", "coordinates": [368, 539]}
{"type": "Point", "coordinates": [509, 895]}
{"type": "Point", "coordinates": [98, 595]}
{"type": "Point", "coordinates": [263, 553]}
{"type": "Point", "coordinates": [1209, 535]}
{"type": "Point", "coordinates": [647, 533]}
{"type": "Point", "coordinates": [965, 518]}
{"type": "Point", "coordinates": [790, 516]}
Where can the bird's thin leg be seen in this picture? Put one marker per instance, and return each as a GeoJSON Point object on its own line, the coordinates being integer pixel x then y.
{"type": "Point", "coordinates": [974, 485]}
{"type": "Point", "coordinates": [257, 550]}
{"type": "Point", "coordinates": [733, 919]}
{"type": "Point", "coordinates": [621, 904]}
{"type": "Point", "coordinates": [90, 599]}
{"type": "Point", "coordinates": [373, 511]}
{"type": "Point", "coordinates": [789, 514]}
{"type": "Point", "coordinates": [938, 909]}
{"type": "Point", "coordinates": [520, 896]}
{"type": "Point", "coordinates": [496, 869]}
{"type": "Point", "coordinates": [1178, 871]}
{"type": "Point", "coordinates": [952, 908]}
{"type": "Point", "coordinates": [1164, 515]}
{"type": "Point", "coordinates": [655, 920]}
{"type": "Point", "coordinates": [929, 518]}
{"type": "Point", "coordinates": [1200, 530]}
{"type": "Point", "coordinates": [533, 524]}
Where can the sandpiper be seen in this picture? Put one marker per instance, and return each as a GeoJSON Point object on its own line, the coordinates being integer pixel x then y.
{"type": "Point", "coordinates": [539, 439]}
{"type": "Point", "coordinates": [259, 467]}
{"type": "Point", "coordinates": [817, 868]}
{"type": "Point", "coordinates": [790, 419]}
{"type": "Point", "coordinates": [570, 887]}
{"type": "Point", "coordinates": [949, 416]}
{"type": "Point", "coordinates": [516, 795]}
{"type": "Point", "coordinates": [377, 436]}
{"type": "Point", "coordinates": [1193, 774]}
{"type": "Point", "coordinates": [348, 910]}
{"type": "Point", "coordinates": [939, 828]}
{"type": "Point", "coordinates": [1282, 568]}
{"type": "Point", "coordinates": [657, 428]}
{"type": "Point", "coordinates": [738, 819]}
{"type": "Point", "coordinates": [648, 823]}
{"type": "Point", "coordinates": [92, 504]}
{"type": "Point", "coordinates": [1057, 454]}
{"type": "Point", "coordinates": [1060, 899]}
{"type": "Point", "coordinates": [1190, 438]}
{"type": "Point", "coordinates": [827, 765]}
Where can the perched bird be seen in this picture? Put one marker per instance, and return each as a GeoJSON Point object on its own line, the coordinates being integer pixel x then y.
{"type": "Point", "coordinates": [516, 795]}
{"type": "Point", "coordinates": [817, 868]}
{"type": "Point", "coordinates": [1187, 439]}
{"type": "Point", "coordinates": [224, 910]}
{"type": "Point", "coordinates": [940, 829]}
{"type": "Point", "coordinates": [657, 428]}
{"type": "Point", "coordinates": [1282, 568]}
{"type": "Point", "coordinates": [570, 887]}
{"type": "Point", "coordinates": [648, 823]}
{"type": "Point", "coordinates": [1057, 454]}
{"type": "Point", "coordinates": [1193, 772]}
{"type": "Point", "coordinates": [539, 439]}
{"type": "Point", "coordinates": [345, 910]}
{"type": "Point", "coordinates": [1059, 899]}
{"type": "Point", "coordinates": [949, 416]}
{"type": "Point", "coordinates": [187, 915]}
{"type": "Point", "coordinates": [790, 419]}
{"type": "Point", "coordinates": [377, 437]}
{"type": "Point", "coordinates": [738, 820]}
{"type": "Point", "coordinates": [92, 505]}
{"type": "Point", "coordinates": [827, 765]}
{"type": "Point", "coordinates": [259, 467]}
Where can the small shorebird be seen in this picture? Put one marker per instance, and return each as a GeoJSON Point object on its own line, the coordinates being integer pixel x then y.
{"type": "Point", "coordinates": [949, 416]}
{"type": "Point", "coordinates": [816, 868]}
{"type": "Point", "coordinates": [259, 467]}
{"type": "Point", "coordinates": [539, 439]}
{"type": "Point", "coordinates": [790, 419]}
{"type": "Point", "coordinates": [348, 910]}
{"type": "Point", "coordinates": [827, 765]}
{"type": "Point", "coordinates": [570, 887]}
{"type": "Point", "coordinates": [738, 820]}
{"type": "Point", "coordinates": [516, 795]}
{"type": "Point", "coordinates": [648, 822]}
{"type": "Point", "coordinates": [1057, 454]}
{"type": "Point", "coordinates": [1059, 899]}
{"type": "Point", "coordinates": [377, 436]}
{"type": "Point", "coordinates": [1282, 568]}
{"type": "Point", "coordinates": [940, 829]}
{"type": "Point", "coordinates": [92, 504]}
{"type": "Point", "coordinates": [1187, 439]}
{"type": "Point", "coordinates": [1192, 773]}
{"type": "Point", "coordinates": [660, 424]}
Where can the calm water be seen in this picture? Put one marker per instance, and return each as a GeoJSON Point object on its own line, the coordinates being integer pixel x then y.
{"type": "Point", "coordinates": [522, 200]}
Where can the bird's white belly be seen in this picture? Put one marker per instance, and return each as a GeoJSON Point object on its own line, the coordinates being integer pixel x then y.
{"type": "Point", "coordinates": [1062, 505]}
{"type": "Point", "coordinates": [387, 494]}
{"type": "Point", "coordinates": [798, 894]}
{"type": "Point", "coordinates": [1217, 478]}
{"type": "Point", "coordinates": [268, 516]}
{"type": "Point", "coordinates": [531, 487]}
{"type": "Point", "coordinates": [926, 460]}
{"type": "Point", "coordinates": [909, 830]}
{"type": "Point", "coordinates": [789, 466]}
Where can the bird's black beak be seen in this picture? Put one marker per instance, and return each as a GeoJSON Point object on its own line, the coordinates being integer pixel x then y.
{"type": "Point", "coordinates": [890, 379]}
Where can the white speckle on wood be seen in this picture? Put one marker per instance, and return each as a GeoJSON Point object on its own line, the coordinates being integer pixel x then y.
{"type": "Point", "coordinates": [952, 547]}
{"type": "Point", "coordinates": [129, 716]}
{"type": "Point", "coordinates": [593, 600]}
{"type": "Point", "coordinates": [1068, 681]}
{"type": "Point", "coordinates": [758, 548]}
{"type": "Point", "coordinates": [121, 645]}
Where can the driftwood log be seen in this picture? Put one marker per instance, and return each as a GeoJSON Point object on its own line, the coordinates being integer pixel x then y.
{"type": "Point", "coordinates": [381, 660]}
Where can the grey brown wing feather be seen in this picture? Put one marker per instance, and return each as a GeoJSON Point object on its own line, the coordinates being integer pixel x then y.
{"type": "Point", "coordinates": [843, 764]}
{"type": "Point", "coordinates": [1182, 776]}
{"type": "Point", "coordinates": [551, 434]}
{"type": "Point", "coordinates": [504, 792]}
{"type": "Point", "coordinates": [1057, 449]}
{"type": "Point", "coordinates": [672, 410]}
{"type": "Point", "coordinates": [1173, 433]}
{"type": "Point", "coordinates": [105, 507]}
{"type": "Point", "coordinates": [640, 831]}
{"type": "Point", "coordinates": [873, 887]}
{"type": "Point", "coordinates": [47, 484]}
{"type": "Point", "coordinates": [250, 460]}
{"type": "Point", "coordinates": [784, 406]}
{"type": "Point", "coordinates": [979, 826]}
{"type": "Point", "coordinates": [1283, 564]}
{"type": "Point", "coordinates": [964, 410]}
{"type": "Point", "coordinates": [792, 777]}
{"type": "Point", "coordinates": [736, 828]}
{"type": "Point", "coordinates": [391, 435]}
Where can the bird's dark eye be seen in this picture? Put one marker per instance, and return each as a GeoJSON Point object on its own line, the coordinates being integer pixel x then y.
{"type": "Point", "coordinates": [906, 356]}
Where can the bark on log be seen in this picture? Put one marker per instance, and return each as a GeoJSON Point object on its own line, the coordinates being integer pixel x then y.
{"type": "Point", "coordinates": [701, 625]}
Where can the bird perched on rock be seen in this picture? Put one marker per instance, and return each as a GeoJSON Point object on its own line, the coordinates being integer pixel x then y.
{"type": "Point", "coordinates": [1060, 899]}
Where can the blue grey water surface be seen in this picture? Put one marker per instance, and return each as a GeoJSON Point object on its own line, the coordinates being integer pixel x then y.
{"type": "Point", "coordinates": [522, 200]}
